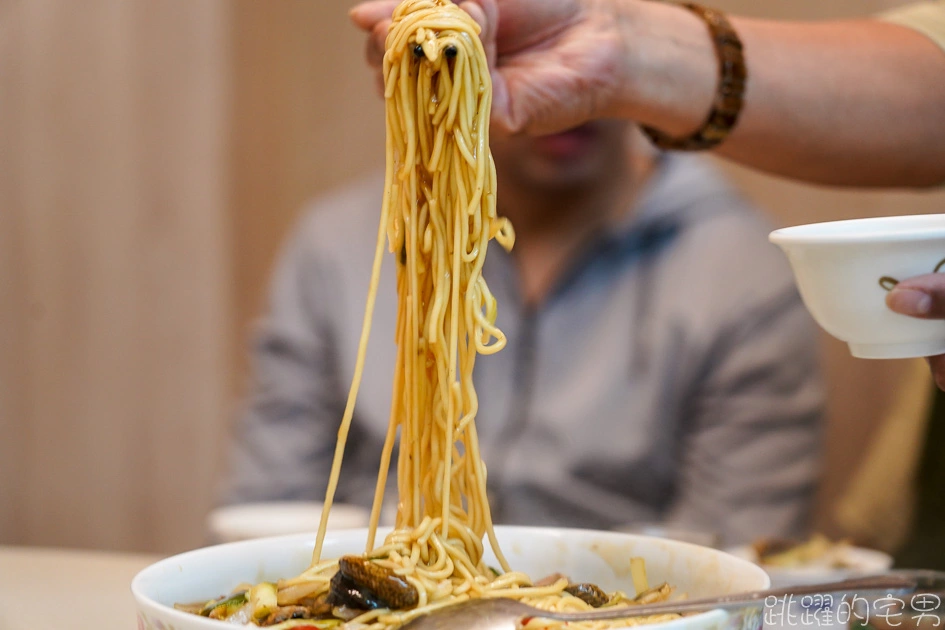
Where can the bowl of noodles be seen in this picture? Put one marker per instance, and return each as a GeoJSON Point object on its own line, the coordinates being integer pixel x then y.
{"type": "Point", "coordinates": [438, 215]}
{"type": "Point", "coordinates": [609, 560]}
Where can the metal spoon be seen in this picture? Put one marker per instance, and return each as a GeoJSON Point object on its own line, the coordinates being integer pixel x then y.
{"type": "Point", "coordinates": [506, 614]}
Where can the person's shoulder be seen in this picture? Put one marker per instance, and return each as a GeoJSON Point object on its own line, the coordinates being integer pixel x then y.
{"type": "Point", "coordinates": [722, 247]}
{"type": "Point", "coordinates": [711, 211]}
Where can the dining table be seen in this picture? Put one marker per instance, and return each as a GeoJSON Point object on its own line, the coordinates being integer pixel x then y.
{"type": "Point", "coordinates": [67, 588]}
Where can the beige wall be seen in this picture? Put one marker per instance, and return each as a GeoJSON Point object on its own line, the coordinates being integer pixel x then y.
{"type": "Point", "coordinates": [152, 156]}
{"type": "Point", "coordinates": [115, 287]}
{"type": "Point", "coordinates": [305, 118]}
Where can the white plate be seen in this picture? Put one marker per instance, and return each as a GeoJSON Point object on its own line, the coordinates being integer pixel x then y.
{"type": "Point", "coordinates": [279, 518]}
{"type": "Point", "coordinates": [599, 557]}
{"type": "Point", "coordinates": [861, 562]}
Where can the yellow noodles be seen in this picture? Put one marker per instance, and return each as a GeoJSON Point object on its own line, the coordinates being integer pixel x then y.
{"type": "Point", "coordinates": [438, 215]}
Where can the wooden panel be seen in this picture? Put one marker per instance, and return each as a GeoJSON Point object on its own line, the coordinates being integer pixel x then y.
{"type": "Point", "coordinates": [120, 262]}
{"type": "Point", "coordinates": [306, 118]}
{"type": "Point", "coordinates": [13, 307]}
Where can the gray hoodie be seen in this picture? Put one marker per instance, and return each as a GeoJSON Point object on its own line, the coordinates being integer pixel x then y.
{"type": "Point", "coordinates": [671, 375]}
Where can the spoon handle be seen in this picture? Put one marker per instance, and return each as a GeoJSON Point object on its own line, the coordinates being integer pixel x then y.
{"type": "Point", "coordinates": [887, 584]}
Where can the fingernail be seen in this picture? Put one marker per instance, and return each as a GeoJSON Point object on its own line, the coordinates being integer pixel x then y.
{"type": "Point", "coordinates": [910, 302]}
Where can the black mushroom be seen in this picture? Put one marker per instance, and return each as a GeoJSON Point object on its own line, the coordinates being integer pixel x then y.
{"type": "Point", "coordinates": [366, 585]}
{"type": "Point", "coordinates": [590, 594]}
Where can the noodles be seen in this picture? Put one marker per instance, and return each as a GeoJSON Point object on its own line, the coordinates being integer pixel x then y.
{"type": "Point", "coordinates": [438, 216]}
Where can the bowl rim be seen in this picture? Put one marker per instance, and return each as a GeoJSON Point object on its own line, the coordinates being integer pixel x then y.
{"type": "Point", "coordinates": [807, 233]}
{"type": "Point", "coordinates": [242, 521]}
{"type": "Point", "coordinates": [143, 600]}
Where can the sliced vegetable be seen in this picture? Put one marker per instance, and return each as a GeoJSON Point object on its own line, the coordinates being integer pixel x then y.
{"type": "Point", "coordinates": [638, 575]}
{"type": "Point", "coordinates": [263, 598]}
{"type": "Point", "coordinates": [656, 594]}
{"type": "Point", "coordinates": [225, 607]}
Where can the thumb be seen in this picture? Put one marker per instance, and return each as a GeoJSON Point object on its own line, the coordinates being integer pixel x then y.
{"type": "Point", "coordinates": [921, 296]}
{"type": "Point", "coordinates": [486, 14]}
{"type": "Point", "coordinates": [502, 123]}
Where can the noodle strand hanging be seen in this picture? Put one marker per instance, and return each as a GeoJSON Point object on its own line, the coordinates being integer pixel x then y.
{"type": "Point", "coordinates": [438, 215]}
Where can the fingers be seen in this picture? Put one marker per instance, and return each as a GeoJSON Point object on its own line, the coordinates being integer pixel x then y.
{"type": "Point", "coordinates": [921, 296]}
{"type": "Point", "coordinates": [376, 44]}
{"type": "Point", "coordinates": [486, 15]}
{"type": "Point", "coordinates": [502, 122]}
{"type": "Point", "coordinates": [366, 15]}
{"type": "Point", "coordinates": [374, 18]}
{"type": "Point", "coordinates": [521, 26]}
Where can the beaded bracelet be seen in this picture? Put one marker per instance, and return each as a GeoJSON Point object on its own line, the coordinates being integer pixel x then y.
{"type": "Point", "coordinates": [729, 96]}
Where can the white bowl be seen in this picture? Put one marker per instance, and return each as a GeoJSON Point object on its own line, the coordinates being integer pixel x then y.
{"type": "Point", "coordinates": [661, 530]}
{"type": "Point", "coordinates": [839, 265]}
{"type": "Point", "coordinates": [277, 518]}
{"type": "Point", "coordinates": [599, 557]}
{"type": "Point", "coordinates": [860, 562]}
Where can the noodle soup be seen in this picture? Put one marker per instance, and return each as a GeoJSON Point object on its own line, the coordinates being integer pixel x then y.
{"type": "Point", "coordinates": [438, 216]}
{"type": "Point", "coordinates": [599, 557]}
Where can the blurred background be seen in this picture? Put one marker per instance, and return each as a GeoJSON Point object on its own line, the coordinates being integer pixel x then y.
{"type": "Point", "coordinates": [152, 157]}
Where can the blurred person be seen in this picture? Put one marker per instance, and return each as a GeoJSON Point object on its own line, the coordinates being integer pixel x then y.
{"type": "Point", "coordinates": [632, 389]}
{"type": "Point", "coordinates": [845, 102]}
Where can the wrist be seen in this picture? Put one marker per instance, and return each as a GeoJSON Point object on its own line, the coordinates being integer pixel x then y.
{"type": "Point", "coordinates": [669, 71]}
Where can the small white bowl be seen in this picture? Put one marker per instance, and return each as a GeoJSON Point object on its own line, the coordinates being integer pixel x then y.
{"type": "Point", "coordinates": [246, 521]}
{"type": "Point", "coordinates": [599, 557]}
{"type": "Point", "coordinates": [841, 268]}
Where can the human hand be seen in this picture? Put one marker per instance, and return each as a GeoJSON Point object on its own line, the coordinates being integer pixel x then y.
{"type": "Point", "coordinates": [923, 297]}
{"type": "Point", "coordinates": [555, 63]}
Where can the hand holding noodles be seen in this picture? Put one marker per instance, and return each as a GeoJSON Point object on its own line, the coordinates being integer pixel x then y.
{"type": "Point", "coordinates": [438, 216]}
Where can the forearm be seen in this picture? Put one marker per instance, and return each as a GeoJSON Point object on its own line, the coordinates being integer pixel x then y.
{"type": "Point", "coordinates": [848, 103]}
